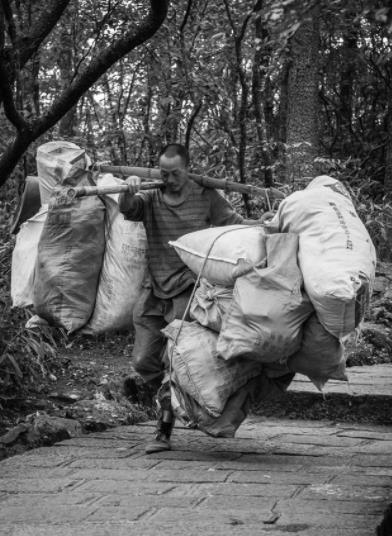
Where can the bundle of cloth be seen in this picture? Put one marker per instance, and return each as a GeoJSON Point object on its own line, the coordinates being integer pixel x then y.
{"type": "Point", "coordinates": [270, 302]}
{"type": "Point", "coordinates": [77, 263]}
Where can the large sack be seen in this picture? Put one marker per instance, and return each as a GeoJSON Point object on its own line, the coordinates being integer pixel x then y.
{"type": "Point", "coordinates": [269, 307]}
{"type": "Point", "coordinates": [336, 255]}
{"type": "Point", "coordinates": [59, 163]}
{"type": "Point", "coordinates": [123, 267]}
{"type": "Point", "coordinates": [256, 391]}
{"type": "Point", "coordinates": [209, 304]}
{"type": "Point", "coordinates": [24, 258]}
{"type": "Point", "coordinates": [321, 355]}
{"type": "Point", "coordinates": [228, 249]}
{"type": "Point", "coordinates": [199, 370]}
{"type": "Point", "coordinates": [70, 253]}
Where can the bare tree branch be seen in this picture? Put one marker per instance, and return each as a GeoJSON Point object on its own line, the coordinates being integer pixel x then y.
{"type": "Point", "coordinates": [28, 132]}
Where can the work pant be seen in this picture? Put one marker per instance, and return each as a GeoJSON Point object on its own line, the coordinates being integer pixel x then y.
{"type": "Point", "coordinates": [151, 314]}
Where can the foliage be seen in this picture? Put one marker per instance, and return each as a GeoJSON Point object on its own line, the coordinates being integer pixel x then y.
{"type": "Point", "coordinates": [26, 355]}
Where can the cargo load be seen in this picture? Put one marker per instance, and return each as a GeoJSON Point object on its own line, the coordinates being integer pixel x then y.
{"type": "Point", "coordinates": [210, 304]}
{"type": "Point", "coordinates": [70, 253]}
{"type": "Point", "coordinates": [199, 370]}
{"type": "Point", "coordinates": [221, 253]}
{"type": "Point", "coordinates": [336, 255]}
{"type": "Point", "coordinates": [24, 258]}
{"type": "Point", "coordinates": [60, 163]}
{"type": "Point", "coordinates": [123, 268]}
{"type": "Point", "coordinates": [320, 356]}
{"type": "Point", "coordinates": [269, 307]}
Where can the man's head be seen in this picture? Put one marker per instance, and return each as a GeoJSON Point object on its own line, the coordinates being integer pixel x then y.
{"type": "Point", "coordinates": [173, 163]}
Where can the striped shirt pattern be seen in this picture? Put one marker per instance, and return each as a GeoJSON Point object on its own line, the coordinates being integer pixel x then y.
{"type": "Point", "coordinates": [202, 208]}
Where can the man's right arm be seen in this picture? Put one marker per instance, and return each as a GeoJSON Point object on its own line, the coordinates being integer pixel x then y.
{"type": "Point", "coordinates": [130, 204]}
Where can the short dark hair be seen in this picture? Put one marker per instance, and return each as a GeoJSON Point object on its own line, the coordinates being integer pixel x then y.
{"type": "Point", "coordinates": [174, 149]}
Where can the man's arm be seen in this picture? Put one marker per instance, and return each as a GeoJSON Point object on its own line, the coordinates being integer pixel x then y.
{"type": "Point", "coordinates": [222, 213]}
{"type": "Point", "coordinates": [130, 204]}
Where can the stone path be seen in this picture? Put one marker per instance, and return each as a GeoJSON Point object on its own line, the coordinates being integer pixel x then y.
{"type": "Point", "coordinates": [276, 477]}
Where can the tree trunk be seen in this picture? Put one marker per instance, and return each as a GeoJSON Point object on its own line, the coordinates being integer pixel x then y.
{"type": "Point", "coordinates": [260, 87]}
{"type": "Point", "coordinates": [303, 102]}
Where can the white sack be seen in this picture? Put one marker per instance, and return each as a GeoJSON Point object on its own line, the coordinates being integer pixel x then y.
{"type": "Point", "coordinates": [321, 355]}
{"type": "Point", "coordinates": [59, 162]}
{"type": "Point", "coordinates": [70, 253]}
{"type": "Point", "coordinates": [228, 249]}
{"type": "Point", "coordinates": [123, 268]}
{"type": "Point", "coordinates": [269, 307]}
{"type": "Point", "coordinates": [336, 255]}
{"type": "Point", "coordinates": [24, 257]}
{"type": "Point", "coordinates": [209, 304]}
{"type": "Point", "coordinates": [200, 371]}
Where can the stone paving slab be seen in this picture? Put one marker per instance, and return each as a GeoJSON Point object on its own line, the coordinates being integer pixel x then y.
{"type": "Point", "coordinates": [276, 477]}
{"type": "Point", "coordinates": [374, 380]}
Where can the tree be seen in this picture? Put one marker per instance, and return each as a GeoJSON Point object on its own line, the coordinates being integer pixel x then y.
{"type": "Point", "coordinates": [303, 100]}
{"type": "Point", "coordinates": [19, 45]}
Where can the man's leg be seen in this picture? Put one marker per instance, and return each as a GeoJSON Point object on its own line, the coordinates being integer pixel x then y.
{"type": "Point", "coordinates": [147, 359]}
{"type": "Point", "coordinates": [165, 422]}
{"type": "Point", "coordinates": [174, 309]}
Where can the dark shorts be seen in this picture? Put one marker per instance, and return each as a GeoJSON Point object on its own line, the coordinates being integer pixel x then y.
{"type": "Point", "coordinates": [150, 315]}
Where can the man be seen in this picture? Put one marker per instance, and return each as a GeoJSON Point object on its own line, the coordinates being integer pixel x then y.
{"type": "Point", "coordinates": [180, 207]}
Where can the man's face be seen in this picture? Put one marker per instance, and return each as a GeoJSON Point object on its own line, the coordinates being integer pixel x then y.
{"type": "Point", "coordinates": [174, 173]}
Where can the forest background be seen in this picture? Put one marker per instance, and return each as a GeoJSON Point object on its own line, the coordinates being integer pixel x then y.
{"type": "Point", "coordinates": [264, 92]}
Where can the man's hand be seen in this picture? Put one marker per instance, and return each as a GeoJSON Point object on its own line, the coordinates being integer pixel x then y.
{"type": "Point", "coordinates": [134, 183]}
{"type": "Point", "coordinates": [266, 217]}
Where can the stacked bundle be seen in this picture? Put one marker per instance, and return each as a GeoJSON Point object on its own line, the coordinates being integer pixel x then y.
{"type": "Point", "coordinates": [81, 262]}
{"type": "Point", "coordinates": [280, 305]}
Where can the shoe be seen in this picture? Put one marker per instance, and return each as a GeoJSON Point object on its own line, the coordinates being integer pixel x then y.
{"type": "Point", "coordinates": [165, 423]}
{"type": "Point", "coordinates": [160, 443]}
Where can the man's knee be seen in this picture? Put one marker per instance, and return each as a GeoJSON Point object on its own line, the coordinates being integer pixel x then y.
{"type": "Point", "coordinates": [150, 368]}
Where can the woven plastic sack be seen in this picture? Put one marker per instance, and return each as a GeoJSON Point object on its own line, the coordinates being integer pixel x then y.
{"type": "Point", "coordinates": [336, 255]}
{"type": "Point", "coordinates": [239, 404]}
{"type": "Point", "coordinates": [269, 307]}
{"type": "Point", "coordinates": [24, 257]}
{"type": "Point", "coordinates": [228, 249]}
{"type": "Point", "coordinates": [199, 370]}
{"type": "Point", "coordinates": [59, 163]}
{"type": "Point", "coordinates": [70, 253]}
{"type": "Point", "coordinates": [321, 355]}
{"type": "Point", "coordinates": [210, 304]}
{"type": "Point", "coordinates": [123, 268]}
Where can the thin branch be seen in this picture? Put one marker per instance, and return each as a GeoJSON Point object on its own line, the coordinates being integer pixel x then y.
{"type": "Point", "coordinates": [186, 16]}
{"type": "Point", "coordinates": [41, 29]}
{"type": "Point", "coordinates": [10, 20]}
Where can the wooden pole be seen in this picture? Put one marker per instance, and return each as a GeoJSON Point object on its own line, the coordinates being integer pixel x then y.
{"type": "Point", "coordinates": [81, 191]}
{"type": "Point", "coordinates": [202, 180]}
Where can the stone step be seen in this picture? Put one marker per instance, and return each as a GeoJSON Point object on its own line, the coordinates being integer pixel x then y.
{"type": "Point", "coordinates": [362, 381]}
{"type": "Point", "coordinates": [365, 398]}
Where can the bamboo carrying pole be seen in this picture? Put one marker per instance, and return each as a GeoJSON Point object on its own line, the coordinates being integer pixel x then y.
{"type": "Point", "coordinates": [80, 191]}
{"type": "Point", "coordinates": [154, 173]}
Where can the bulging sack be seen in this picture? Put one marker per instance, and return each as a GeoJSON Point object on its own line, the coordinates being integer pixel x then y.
{"type": "Point", "coordinates": [336, 255]}
{"type": "Point", "coordinates": [227, 248]}
{"type": "Point", "coordinates": [209, 304]}
{"type": "Point", "coordinates": [59, 163]}
{"type": "Point", "coordinates": [24, 257]}
{"type": "Point", "coordinates": [269, 307]}
{"type": "Point", "coordinates": [69, 260]}
{"type": "Point", "coordinates": [123, 268]}
{"type": "Point", "coordinates": [321, 355]}
{"type": "Point", "coordinates": [199, 370]}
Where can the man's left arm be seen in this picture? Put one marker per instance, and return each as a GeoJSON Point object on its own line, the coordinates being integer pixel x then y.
{"type": "Point", "coordinates": [222, 213]}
